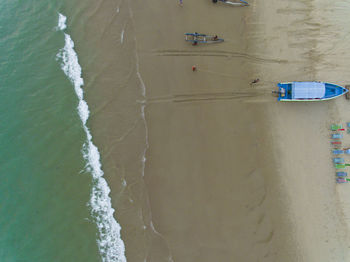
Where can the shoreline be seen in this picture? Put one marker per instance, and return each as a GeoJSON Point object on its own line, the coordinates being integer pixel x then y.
{"type": "Point", "coordinates": [220, 179]}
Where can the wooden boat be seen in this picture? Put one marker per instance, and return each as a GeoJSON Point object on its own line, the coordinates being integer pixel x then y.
{"type": "Point", "coordinates": [309, 91]}
{"type": "Point", "coordinates": [196, 38]}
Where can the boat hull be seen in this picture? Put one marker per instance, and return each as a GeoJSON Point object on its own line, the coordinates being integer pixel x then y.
{"type": "Point", "coordinates": [331, 91]}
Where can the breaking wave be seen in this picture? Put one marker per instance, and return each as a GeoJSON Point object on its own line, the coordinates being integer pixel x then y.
{"type": "Point", "coordinates": [110, 244]}
{"type": "Point", "coordinates": [61, 22]}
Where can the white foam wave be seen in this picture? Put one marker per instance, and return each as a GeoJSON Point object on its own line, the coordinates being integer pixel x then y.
{"type": "Point", "coordinates": [61, 22]}
{"type": "Point", "coordinates": [110, 244]}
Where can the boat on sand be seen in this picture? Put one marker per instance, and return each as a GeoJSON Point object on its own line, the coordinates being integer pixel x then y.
{"type": "Point", "coordinates": [309, 91]}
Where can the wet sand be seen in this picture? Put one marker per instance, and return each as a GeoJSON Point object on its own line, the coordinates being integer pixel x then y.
{"type": "Point", "coordinates": [214, 194]}
{"type": "Point", "coordinates": [230, 175]}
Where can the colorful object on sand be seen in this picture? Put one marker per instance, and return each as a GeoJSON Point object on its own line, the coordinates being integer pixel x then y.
{"type": "Point", "coordinates": [341, 174]}
{"type": "Point", "coordinates": [336, 127]}
{"type": "Point", "coordinates": [338, 152]}
{"type": "Point", "coordinates": [337, 136]}
{"type": "Point", "coordinates": [336, 143]}
{"type": "Point", "coordinates": [348, 127]}
{"type": "Point", "coordinates": [341, 166]}
{"type": "Point", "coordinates": [341, 180]}
{"type": "Point", "coordinates": [338, 160]}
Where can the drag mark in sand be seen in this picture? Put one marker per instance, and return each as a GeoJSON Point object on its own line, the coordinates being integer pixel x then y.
{"type": "Point", "coordinates": [110, 244]}
{"type": "Point", "coordinates": [219, 53]}
{"type": "Point", "coordinates": [202, 97]}
{"type": "Point", "coordinates": [122, 36]}
{"type": "Point", "coordinates": [267, 239]}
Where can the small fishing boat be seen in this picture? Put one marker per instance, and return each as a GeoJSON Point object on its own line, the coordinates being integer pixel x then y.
{"type": "Point", "coordinates": [309, 91]}
{"type": "Point", "coordinates": [196, 38]}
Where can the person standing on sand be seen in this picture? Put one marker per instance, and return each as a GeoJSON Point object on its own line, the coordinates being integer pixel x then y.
{"type": "Point", "coordinates": [255, 81]}
{"type": "Point", "coordinates": [181, 3]}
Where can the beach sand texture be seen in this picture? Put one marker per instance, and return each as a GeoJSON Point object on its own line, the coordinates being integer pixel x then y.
{"type": "Point", "coordinates": [230, 175]}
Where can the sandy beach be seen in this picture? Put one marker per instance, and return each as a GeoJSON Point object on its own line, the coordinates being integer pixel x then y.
{"type": "Point", "coordinates": [230, 174]}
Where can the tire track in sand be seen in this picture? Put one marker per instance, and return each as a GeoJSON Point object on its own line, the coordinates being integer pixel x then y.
{"type": "Point", "coordinates": [218, 53]}
{"type": "Point", "coordinates": [201, 97]}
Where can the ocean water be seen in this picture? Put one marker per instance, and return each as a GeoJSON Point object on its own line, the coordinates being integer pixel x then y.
{"type": "Point", "coordinates": [54, 203]}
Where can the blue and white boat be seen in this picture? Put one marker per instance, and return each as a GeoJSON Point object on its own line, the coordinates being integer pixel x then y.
{"type": "Point", "coordinates": [309, 91]}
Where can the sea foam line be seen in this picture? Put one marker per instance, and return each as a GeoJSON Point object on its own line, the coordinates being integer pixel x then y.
{"type": "Point", "coordinates": [110, 244]}
{"type": "Point", "coordinates": [61, 22]}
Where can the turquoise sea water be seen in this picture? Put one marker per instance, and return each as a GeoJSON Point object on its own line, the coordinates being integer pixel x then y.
{"type": "Point", "coordinates": [53, 201]}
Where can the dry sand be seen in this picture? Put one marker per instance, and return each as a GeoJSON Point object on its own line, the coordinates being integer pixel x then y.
{"type": "Point", "coordinates": [308, 41]}
{"type": "Point", "coordinates": [231, 175]}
